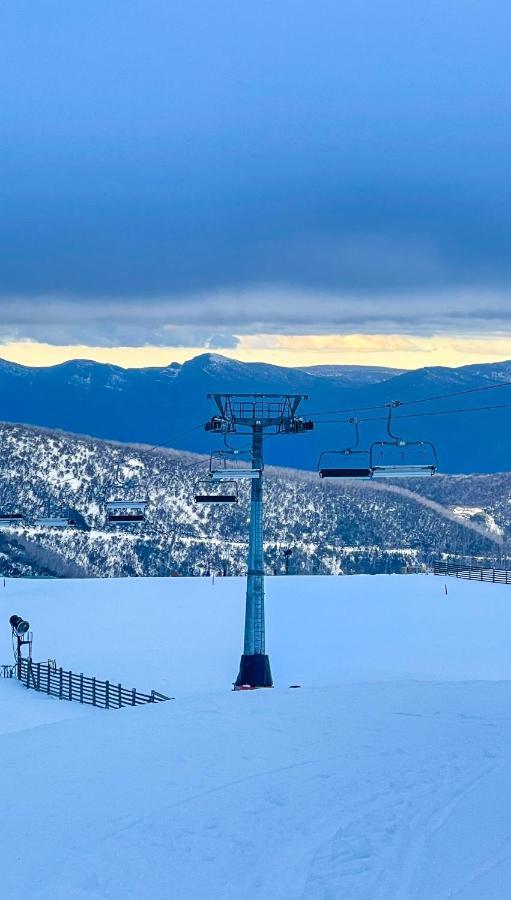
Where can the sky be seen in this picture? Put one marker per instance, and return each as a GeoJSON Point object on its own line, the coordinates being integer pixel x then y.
{"type": "Point", "coordinates": [289, 181]}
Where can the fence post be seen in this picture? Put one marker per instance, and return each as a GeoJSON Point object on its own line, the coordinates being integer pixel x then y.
{"type": "Point", "coordinates": [70, 686]}
{"type": "Point", "coordinates": [81, 687]}
{"type": "Point", "coordinates": [28, 674]}
{"type": "Point", "coordinates": [133, 697]}
{"type": "Point", "coordinates": [61, 679]}
{"type": "Point", "coordinates": [119, 689]}
{"type": "Point", "coordinates": [94, 692]}
{"type": "Point", "coordinates": [152, 697]}
{"type": "Point", "coordinates": [38, 676]}
{"type": "Point", "coordinates": [48, 684]}
{"type": "Point", "coordinates": [107, 694]}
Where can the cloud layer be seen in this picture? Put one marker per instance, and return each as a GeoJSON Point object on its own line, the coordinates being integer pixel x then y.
{"type": "Point", "coordinates": [220, 318]}
{"type": "Point", "coordinates": [184, 174]}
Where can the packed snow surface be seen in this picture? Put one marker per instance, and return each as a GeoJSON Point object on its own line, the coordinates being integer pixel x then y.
{"type": "Point", "coordinates": [386, 775]}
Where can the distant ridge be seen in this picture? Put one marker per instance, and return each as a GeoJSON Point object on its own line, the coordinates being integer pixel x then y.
{"type": "Point", "coordinates": [353, 376]}
{"type": "Point", "coordinates": [153, 405]}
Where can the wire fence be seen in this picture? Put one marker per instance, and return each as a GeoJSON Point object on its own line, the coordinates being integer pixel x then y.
{"type": "Point", "coordinates": [472, 573]}
{"type": "Point", "coordinates": [66, 685]}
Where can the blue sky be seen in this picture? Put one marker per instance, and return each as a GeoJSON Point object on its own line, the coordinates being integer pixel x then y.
{"type": "Point", "coordinates": [188, 174]}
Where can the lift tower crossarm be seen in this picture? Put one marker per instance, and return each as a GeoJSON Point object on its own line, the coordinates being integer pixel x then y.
{"type": "Point", "coordinates": [257, 412]}
{"type": "Point", "coordinates": [266, 410]}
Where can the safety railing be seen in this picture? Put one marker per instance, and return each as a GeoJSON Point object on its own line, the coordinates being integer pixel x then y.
{"type": "Point", "coordinates": [472, 573]}
{"type": "Point", "coordinates": [66, 685]}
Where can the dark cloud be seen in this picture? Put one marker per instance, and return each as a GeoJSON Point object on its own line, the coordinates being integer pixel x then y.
{"type": "Point", "coordinates": [183, 173]}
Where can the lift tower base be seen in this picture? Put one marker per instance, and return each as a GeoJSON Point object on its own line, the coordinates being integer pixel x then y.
{"type": "Point", "coordinates": [255, 672]}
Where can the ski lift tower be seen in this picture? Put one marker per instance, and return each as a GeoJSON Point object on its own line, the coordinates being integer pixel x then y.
{"type": "Point", "coordinates": [256, 414]}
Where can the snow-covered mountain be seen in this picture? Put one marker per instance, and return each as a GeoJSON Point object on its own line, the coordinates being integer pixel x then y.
{"type": "Point", "coordinates": [167, 405]}
{"type": "Point", "coordinates": [353, 376]}
{"type": "Point", "coordinates": [329, 528]}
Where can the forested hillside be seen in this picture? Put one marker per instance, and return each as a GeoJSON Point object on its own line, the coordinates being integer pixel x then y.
{"type": "Point", "coordinates": [330, 528]}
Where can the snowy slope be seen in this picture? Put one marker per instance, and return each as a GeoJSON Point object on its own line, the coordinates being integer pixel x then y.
{"type": "Point", "coordinates": [329, 527]}
{"type": "Point", "coordinates": [181, 635]}
{"type": "Point", "coordinates": [353, 376]}
{"type": "Point", "coordinates": [385, 776]}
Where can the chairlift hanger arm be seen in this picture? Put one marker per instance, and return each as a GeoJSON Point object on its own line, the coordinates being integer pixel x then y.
{"type": "Point", "coordinates": [223, 457]}
{"type": "Point", "coordinates": [355, 422]}
{"type": "Point", "coordinates": [346, 452]}
{"type": "Point", "coordinates": [133, 486]}
{"type": "Point", "coordinates": [236, 450]}
{"type": "Point", "coordinates": [394, 404]}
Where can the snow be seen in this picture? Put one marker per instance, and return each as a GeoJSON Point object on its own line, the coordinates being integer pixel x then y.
{"type": "Point", "coordinates": [479, 514]}
{"type": "Point", "coordinates": [184, 634]}
{"type": "Point", "coordinates": [385, 776]}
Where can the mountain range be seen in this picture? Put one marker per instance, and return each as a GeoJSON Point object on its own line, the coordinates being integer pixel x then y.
{"type": "Point", "coordinates": [162, 405]}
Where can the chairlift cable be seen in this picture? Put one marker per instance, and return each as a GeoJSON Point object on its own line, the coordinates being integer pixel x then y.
{"type": "Point", "coordinates": [439, 412]}
{"type": "Point", "coordinates": [442, 412]}
{"type": "Point", "coordinates": [143, 453]}
{"type": "Point", "coordinates": [487, 387]}
{"type": "Point", "coordinates": [174, 437]}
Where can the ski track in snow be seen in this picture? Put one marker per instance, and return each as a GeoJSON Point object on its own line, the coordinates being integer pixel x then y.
{"type": "Point", "coordinates": [351, 821]}
{"type": "Point", "coordinates": [363, 785]}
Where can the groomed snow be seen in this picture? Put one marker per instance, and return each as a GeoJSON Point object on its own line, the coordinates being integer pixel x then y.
{"type": "Point", "coordinates": [183, 635]}
{"type": "Point", "coordinates": [387, 775]}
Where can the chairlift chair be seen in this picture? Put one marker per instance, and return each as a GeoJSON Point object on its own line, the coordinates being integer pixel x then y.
{"type": "Point", "coordinates": [55, 522]}
{"type": "Point", "coordinates": [350, 463]}
{"type": "Point", "coordinates": [123, 512]}
{"type": "Point", "coordinates": [130, 508]}
{"type": "Point", "coordinates": [11, 520]}
{"type": "Point", "coordinates": [220, 471]}
{"type": "Point", "coordinates": [399, 458]}
{"type": "Point", "coordinates": [235, 474]}
{"type": "Point", "coordinates": [205, 492]}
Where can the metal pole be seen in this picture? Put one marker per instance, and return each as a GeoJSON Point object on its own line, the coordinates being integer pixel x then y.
{"type": "Point", "coordinates": [255, 668]}
{"type": "Point", "coordinates": [254, 613]}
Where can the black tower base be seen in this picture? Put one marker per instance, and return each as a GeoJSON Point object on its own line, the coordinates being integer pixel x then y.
{"type": "Point", "coordinates": [255, 672]}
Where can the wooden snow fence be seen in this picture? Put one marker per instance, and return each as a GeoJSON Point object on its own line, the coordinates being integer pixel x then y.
{"type": "Point", "coordinates": [66, 685]}
{"type": "Point", "coordinates": [472, 573]}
